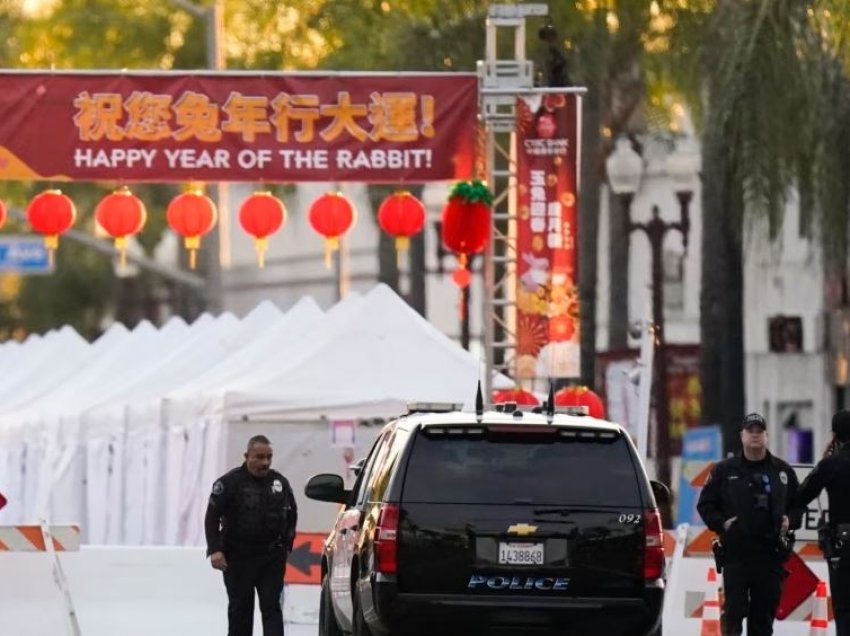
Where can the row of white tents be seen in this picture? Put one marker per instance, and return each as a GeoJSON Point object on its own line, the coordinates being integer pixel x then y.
{"type": "Point", "coordinates": [125, 435]}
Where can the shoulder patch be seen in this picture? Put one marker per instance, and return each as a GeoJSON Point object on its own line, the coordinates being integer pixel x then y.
{"type": "Point", "coordinates": [277, 485]}
{"type": "Point", "coordinates": [783, 477]}
{"type": "Point", "coordinates": [218, 487]}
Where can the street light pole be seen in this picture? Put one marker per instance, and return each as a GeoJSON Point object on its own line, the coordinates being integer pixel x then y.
{"type": "Point", "coordinates": [656, 229]}
{"type": "Point", "coordinates": [215, 249]}
{"type": "Point", "coordinates": [625, 170]}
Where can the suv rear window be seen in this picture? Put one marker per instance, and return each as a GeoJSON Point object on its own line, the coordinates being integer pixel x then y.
{"type": "Point", "coordinates": [537, 469]}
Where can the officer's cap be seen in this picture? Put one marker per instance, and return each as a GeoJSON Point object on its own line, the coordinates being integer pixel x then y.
{"type": "Point", "coordinates": [841, 424]}
{"type": "Point", "coordinates": [753, 419]}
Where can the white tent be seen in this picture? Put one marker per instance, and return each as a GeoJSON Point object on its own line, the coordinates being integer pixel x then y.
{"type": "Point", "coordinates": [41, 438]}
{"type": "Point", "coordinates": [386, 356]}
{"type": "Point", "coordinates": [382, 357]}
{"type": "Point", "coordinates": [123, 485]}
{"type": "Point", "coordinates": [127, 435]}
{"type": "Point", "coordinates": [194, 415]}
{"type": "Point", "coordinates": [38, 365]}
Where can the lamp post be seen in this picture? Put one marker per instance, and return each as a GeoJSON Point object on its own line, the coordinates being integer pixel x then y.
{"type": "Point", "coordinates": [216, 249]}
{"type": "Point", "coordinates": [625, 168]}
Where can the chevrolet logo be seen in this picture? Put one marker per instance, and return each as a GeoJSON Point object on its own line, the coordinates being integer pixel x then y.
{"type": "Point", "coordinates": [522, 529]}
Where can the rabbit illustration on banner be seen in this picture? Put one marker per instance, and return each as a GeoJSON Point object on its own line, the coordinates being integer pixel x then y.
{"type": "Point", "coordinates": [537, 273]}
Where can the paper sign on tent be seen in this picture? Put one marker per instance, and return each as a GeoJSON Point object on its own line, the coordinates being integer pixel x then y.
{"type": "Point", "coordinates": [343, 433]}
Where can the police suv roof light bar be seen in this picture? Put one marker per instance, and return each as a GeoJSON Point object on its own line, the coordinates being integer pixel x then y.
{"type": "Point", "coordinates": [433, 407]}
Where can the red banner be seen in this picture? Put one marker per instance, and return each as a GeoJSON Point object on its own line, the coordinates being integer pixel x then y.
{"type": "Point", "coordinates": [547, 207]}
{"type": "Point", "coordinates": [377, 128]}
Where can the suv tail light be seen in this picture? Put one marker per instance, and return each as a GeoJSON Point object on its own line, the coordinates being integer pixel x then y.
{"type": "Point", "coordinates": [386, 539]}
{"type": "Point", "coordinates": [653, 554]}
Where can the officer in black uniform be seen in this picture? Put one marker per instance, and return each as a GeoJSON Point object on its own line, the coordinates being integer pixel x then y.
{"type": "Point", "coordinates": [833, 473]}
{"type": "Point", "coordinates": [250, 527]}
{"type": "Point", "coordinates": [748, 500]}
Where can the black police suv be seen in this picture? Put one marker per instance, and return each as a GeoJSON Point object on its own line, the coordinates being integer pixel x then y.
{"type": "Point", "coordinates": [501, 521]}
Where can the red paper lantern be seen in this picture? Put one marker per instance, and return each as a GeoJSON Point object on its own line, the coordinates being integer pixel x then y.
{"type": "Point", "coordinates": [2, 214]}
{"type": "Point", "coordinates": [331, 215]}
{"type": "Point", "coordinates": [517, 395]}
{"type": "Point", "coordinates": [581, 396]}
{"type": "Point", "coordinates": [466, 222]}
{"type": "Point", "coordinates": [401, 215]}
{"type": "Point", "coordinates": [121, 214]}
{"type": "Point", "coordinates": [261, 215]}
{"type": "Point", "coordinates": [51, 213]}
{"type": "Point", "coordinates": [191, 215]}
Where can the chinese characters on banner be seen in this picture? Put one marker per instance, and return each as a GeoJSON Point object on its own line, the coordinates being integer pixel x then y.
{"type": "Point", "coordinates": [237, 127]}
{"type": "Point", "coordinates": [547, 207]}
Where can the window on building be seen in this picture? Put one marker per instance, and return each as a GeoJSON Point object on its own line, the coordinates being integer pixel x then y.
{"type": "Point", "coordinates": [785, 334]}
{"type": "Point", "coordinates": [674, 280]}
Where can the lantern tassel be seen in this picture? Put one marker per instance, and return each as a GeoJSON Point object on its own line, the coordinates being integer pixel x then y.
{"type": "Point", "coordinates": [192, 244]}
{"type": "Point", "coordinates": [402, 244]}
{"type": "Point", "coordinates": [261, 245]}
{"type": "Point", "coordinates": [51, 242]}
{"type": "Point", "coordinates": [121, 246]}
{"type": "Point", "coordinates": [331, 245]}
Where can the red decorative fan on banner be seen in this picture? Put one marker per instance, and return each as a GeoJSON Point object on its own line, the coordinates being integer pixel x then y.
{"type": "Point", "coordinates": [517, 395]}
{"type": "Point", "coordinates": [261, 215]}
{"type": "Point", "coordinates": [121, 214]}
{"type": "Point", "coordinates": [51, 213]}
{"type": "Point", "coordinates": [191, 215]}
{"type": "Point", "coordinates": [2, 214]}
{"type": "Point", "coordinates": [466, 224]}
{"type": "Point", "coordinates": [401, 215]}
{"type": "Point", "coordinates": [331, 215]}
{"type": "Point", "coordinates": [581, 396]}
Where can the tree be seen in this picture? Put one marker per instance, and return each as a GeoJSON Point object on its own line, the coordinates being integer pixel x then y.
{"type": "Point", "coordinates": [425, 35]}
{"type": "Point", "coordinates": [770, 71]}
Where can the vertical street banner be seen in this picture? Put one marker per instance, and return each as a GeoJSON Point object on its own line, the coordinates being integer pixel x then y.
{"type": "Point", "coordinates": [548, 149]}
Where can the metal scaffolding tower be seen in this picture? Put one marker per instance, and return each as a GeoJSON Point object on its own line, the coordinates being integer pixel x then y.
{"type": "Point", "coordinates": [500, 83]}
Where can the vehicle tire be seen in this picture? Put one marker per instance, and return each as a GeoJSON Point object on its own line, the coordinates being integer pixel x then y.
{"type": "Point", "coordinates": [359, 626]}
{"type": "Point", "coordinates": [327, 621]}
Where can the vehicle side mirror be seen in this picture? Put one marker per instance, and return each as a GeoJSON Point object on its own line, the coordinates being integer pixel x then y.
{"type": "Point", "coordinates": [357, 467]}
{"type": "Point", "coordinates": [663, 496]}
{"type": "Point", "coordinates": [327, 487]}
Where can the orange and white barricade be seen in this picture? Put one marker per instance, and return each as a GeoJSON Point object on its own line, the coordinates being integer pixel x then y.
{"type": "Point", "coordinates": [31, 538]}
{"type": "Point", "coordinates": [51, 540]}
{"type": "Point", "coordinates": [687, 600]}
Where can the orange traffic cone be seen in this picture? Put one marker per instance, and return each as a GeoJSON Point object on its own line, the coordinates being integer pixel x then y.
{"type": "Point", "coordinates": [711, 606]}
{"type": "Point", "coordinates": [820, 617]}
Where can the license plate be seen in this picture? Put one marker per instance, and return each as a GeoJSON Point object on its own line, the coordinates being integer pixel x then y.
{"type": "Point", "coordinates": [521, 553]}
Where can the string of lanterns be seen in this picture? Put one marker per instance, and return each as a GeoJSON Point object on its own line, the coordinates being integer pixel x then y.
{"type": "Point", "coordinates": [466, 220]}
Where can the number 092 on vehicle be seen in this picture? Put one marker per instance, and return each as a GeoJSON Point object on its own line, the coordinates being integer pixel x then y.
{"type": "Point", "coordinates": [515, 553]}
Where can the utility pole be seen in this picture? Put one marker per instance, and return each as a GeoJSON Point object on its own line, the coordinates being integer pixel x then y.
{"type": "Point", "coordinates": [215, 248]}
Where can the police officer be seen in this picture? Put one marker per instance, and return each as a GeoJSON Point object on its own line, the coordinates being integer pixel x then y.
{"type": "Point", "coordinates": [748, 500]}
{"type": "Point", "coordinates": [250, 527]}
{"type": "Point", "coordinates": [833, 473]}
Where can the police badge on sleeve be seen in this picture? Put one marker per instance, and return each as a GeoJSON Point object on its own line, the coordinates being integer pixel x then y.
{"type": "Point", "coordinates": [218, 488]}
{"type": "Point", "coordinates": [277, 486]}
